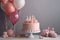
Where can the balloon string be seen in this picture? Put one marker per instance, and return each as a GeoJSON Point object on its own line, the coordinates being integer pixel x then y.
{"type": "Point", "coordinates": [14, 29]}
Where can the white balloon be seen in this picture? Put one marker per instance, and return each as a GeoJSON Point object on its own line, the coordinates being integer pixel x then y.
{"type": "Point", "coordinates": [19, 4]}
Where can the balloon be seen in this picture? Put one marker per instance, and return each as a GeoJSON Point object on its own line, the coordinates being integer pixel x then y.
{"type": "Point", "coordinates": [19, 4]}
{"type": "Point", "coordinates": [11, 1]}
{"type": "Point", "coordinates": [9, 8]}
{"type": "Point", "coordinates": [0, 0]}
{"type": "Point", "coordinates": [14, 17]}
{"type": "Point", "coordinates": [4, 1]}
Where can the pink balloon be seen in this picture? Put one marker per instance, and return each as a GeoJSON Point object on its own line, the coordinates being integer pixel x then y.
{"type": "Point", "coordinates": [9, 8]}
{"type": "Point", "coordinates": [14, 17]}
{"type": "Point", "coordinates": [11, 1]}
{"type": "Point", "coordinates": [4, 1]}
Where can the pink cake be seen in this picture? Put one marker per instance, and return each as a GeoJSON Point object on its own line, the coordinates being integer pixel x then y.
{"type": "Point", "coordinates": [31, 25]}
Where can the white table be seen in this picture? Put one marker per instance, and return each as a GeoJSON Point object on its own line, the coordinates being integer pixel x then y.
{"type": "Point", "coordinates": [36, 38]}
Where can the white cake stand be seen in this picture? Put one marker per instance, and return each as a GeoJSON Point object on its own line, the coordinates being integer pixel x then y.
{"type": "Point", "coordinates": [31, 34]}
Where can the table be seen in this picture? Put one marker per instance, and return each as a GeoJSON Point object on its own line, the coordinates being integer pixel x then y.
{"type": "Point", "coordinates": [36, 38]}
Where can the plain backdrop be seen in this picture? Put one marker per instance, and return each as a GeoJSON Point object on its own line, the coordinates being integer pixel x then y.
{"type": "Point", "coordinates": [47, 13]}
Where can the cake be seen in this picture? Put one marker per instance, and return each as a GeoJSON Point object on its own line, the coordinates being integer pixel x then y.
{"type": "Point", "coordinates": [31, 24]}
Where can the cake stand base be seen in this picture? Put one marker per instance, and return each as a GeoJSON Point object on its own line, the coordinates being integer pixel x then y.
{"type": "Point", "coordinates": [31, 35]}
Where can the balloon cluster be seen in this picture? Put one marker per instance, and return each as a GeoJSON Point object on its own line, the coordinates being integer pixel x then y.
{"type": "Point", "coordinates": [11, 8]}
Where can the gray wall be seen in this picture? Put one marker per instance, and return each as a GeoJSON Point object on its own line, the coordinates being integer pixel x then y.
{"type": "Point", "coordinates": [2, 21]}
{"type": "Point", "coordinates": [46, 11]}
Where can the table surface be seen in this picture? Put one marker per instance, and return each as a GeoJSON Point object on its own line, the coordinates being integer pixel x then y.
{"type": "Point", "coordinates": [36, 38]}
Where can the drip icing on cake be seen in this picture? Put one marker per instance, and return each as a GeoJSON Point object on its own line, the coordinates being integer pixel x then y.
{"type": "Point", "coordinates": [31, 24]}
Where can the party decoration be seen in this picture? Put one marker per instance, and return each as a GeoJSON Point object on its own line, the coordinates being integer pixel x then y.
{"type": "Point", "coordinates": [4, 1]}
{"type": "Point", "coordinates": [49, 33]}
{"type": "Point", "coordinates": [52, 33]}
{"type": "Point", "coordinates": [19, 4]}
{"type": "Point", "coordinates": [5, 35]}
{"type": "Point", "coordinates": [45, 33]}
{"type": "Point", "coordinates": [10, 33]}
{"type": "Point", "coordinates": [9, 8]}
{"type": "Point", "coordinates": [14, 17]}
{"type": "Point", "coordinates": [11, 1]}
{"type": "Point", "coordinates": [0, 0]}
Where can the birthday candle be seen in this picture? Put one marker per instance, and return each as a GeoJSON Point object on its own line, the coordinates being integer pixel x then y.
{"type": "Point", "coordinates": [27, 18]}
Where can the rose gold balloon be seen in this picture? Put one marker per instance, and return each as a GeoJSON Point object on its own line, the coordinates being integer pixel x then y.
{"type": "Point", "coordinates": [11, 1]}
{"type": "Point", "coordinates": [14, 17]}
{"type": "Point", "coordinates": [9, 8]}
{"type": "Point", "coordinates": [0, 0]}
{"type": "Point", "coordinates": [4, 1]}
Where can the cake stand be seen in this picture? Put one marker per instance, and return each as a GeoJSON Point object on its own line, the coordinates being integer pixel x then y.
{"type": "Point", "coordinates": [31, 34]}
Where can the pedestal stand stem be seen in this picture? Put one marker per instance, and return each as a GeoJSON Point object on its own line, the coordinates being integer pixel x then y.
{"type": "Point", "coordinates": [31, 35]}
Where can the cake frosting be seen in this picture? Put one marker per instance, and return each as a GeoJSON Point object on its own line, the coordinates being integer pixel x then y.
{"type": "Point", "coordinates": [31, 24]}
